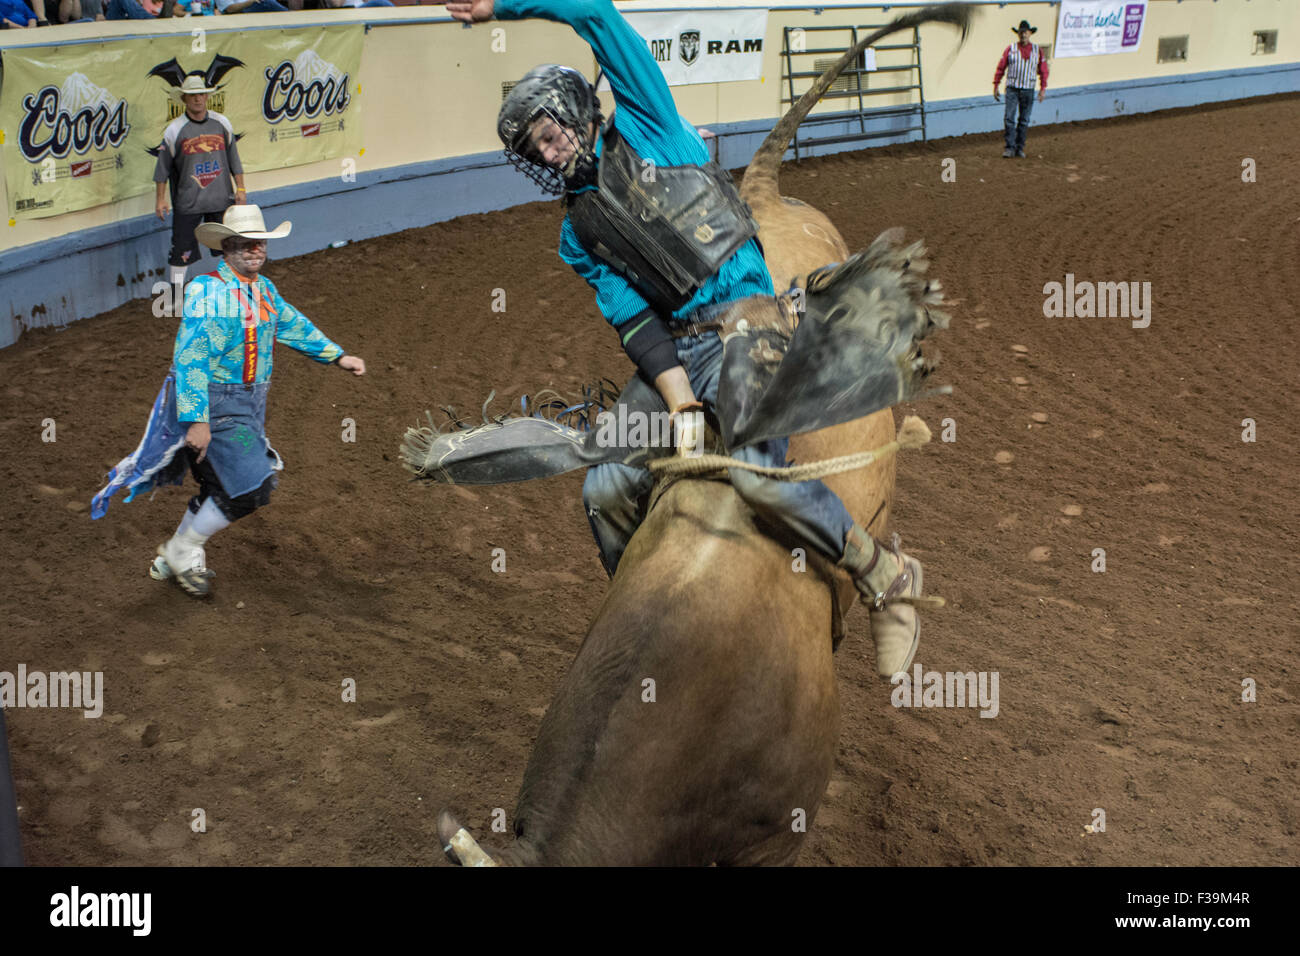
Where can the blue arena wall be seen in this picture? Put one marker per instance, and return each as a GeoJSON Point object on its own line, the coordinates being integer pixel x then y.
{"type": "Point", "coordinates": [94, 270]}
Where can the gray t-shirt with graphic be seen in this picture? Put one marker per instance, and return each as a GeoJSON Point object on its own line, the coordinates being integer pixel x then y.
{"type": "Point", "coordinates": [204, 157]}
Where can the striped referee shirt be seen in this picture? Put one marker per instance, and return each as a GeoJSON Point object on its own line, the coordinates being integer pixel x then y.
{"type": "Point", "coordinates": [1021, 66]}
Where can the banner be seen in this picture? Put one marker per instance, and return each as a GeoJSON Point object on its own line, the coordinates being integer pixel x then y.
{"type": "Point", "coordinates": [68, 115]}
{"type": "Point", "coordinates": [1098, 27]}
{"type": "Point", "coordinates": [81, 124]}
{"type": "Point", "coordinates": [295, 100]}
{"type": "Point", "coordinates": [704, 46]}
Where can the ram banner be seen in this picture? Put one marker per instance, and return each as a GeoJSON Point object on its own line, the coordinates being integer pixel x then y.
{"type": "Point", "coordinates": [704, 46]}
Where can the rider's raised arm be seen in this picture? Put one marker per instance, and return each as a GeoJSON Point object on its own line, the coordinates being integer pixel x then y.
{"type": "Point", "coordinates": [638, 84]}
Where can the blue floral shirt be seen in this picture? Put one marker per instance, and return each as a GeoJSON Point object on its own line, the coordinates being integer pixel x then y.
{"type": "Point", "coordinates": [227, 334]}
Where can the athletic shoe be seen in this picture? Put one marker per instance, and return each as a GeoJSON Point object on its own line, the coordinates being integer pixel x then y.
{"type": "Point", "coordinates": [195, 579]}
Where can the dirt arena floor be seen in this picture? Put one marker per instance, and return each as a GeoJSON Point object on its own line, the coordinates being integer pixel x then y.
{"type": "Point", "coordinates": [1119, 690]}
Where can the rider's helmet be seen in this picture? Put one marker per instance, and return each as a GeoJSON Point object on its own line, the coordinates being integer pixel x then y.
{"type": "Point", "coordinates": [564, 95]}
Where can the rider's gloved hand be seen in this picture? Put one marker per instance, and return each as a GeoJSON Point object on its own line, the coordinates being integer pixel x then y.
{"type": "Point", "coordinates": [688, 429]}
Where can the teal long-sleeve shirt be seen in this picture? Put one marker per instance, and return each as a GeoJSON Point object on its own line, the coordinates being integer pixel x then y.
{"type": "Point", "coordinates": [648, 119]}
{"type": "Point", "coordinates": [228, 333]}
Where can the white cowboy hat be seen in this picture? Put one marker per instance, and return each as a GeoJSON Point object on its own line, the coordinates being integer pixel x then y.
{"type": "Point", "coordinates": [243, 221]}
{"type": "Point", "coordinates": [194, 83]}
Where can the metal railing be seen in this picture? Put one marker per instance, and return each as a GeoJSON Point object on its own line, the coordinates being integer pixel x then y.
{"type": "Point", "coordinates": [854, 83]}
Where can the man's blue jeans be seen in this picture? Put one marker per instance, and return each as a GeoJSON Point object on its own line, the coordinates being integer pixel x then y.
{"type": "Point", "coordinates": [615, 495]}
{"type": "Point", "coordinates": [1022, 100]}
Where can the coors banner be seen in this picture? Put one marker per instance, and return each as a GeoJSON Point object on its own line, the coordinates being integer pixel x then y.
{"type": "Point", "coordinates": [297, 100]}
{"type": "Point", "coordinates": [71, 116]}
{"type": "Point", "coordinates": [85, 121]}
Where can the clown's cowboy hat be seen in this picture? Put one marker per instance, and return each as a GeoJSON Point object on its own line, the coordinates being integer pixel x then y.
{"type": "Point", "coordinates": [193, 83]}
{"type": "Point", "coordinates": [245, 222]}
{"type": "Point", "coordinates": [1024, 25]}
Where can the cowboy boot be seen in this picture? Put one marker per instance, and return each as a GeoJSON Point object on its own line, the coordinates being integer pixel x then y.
{"type": "Point", "coordinates": [882, 575]}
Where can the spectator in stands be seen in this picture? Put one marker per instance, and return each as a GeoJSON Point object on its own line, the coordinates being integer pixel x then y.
{"type": "Point", "coordinates": [197, 160]}
{"type": "Point", "coordinates": [251, 6]}
{"type": "Point", "coordinates": [80, 11]}
{"type": "Point", "coordinates": [16, 15]}
{"type": "Point", "coordinates": [340, 4]}
{"type": "Point", "coordinates": [133, 9]}
{"type": "Point", "coordinates": [1020, 62]}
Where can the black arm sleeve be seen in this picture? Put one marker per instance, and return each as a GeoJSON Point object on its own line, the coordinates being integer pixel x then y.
{"type": "Point", "coordinates": [649, 344]}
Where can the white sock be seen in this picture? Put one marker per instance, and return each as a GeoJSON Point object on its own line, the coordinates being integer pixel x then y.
{"type": "Point", "coordinates": [178, 275]}
{"type": "Point", "coordinates": [186, 523]}
{"type": "Point", "coordinates": [208, 521]}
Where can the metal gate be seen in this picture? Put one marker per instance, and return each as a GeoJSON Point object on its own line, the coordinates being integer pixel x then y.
{"type": "Point", "coordinates": [852, 85]}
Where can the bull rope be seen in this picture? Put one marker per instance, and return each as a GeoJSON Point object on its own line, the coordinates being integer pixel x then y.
{"type": "Point", "coordinates": [913, 434]}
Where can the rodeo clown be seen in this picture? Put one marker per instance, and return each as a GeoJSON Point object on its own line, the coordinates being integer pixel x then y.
{"type": "Point", "coordinates": [663, 289]}
{"type": "Point", "coordinates": [210, 414]}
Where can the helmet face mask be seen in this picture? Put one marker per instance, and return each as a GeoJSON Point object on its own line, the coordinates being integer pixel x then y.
{"type": "Point", "coordinates": [549, 102]}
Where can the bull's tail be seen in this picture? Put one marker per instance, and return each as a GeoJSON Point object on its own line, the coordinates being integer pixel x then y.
{"type": "Point", "coordinates": [761, 175]}
{"type": "Point", "coordinates": [461, 848]}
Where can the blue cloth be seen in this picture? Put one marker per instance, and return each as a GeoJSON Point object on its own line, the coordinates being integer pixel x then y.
{"type": "Point", "coordinates": [1022, 101]}
{"type": "Point", "coordinates": [614, 494]}
{"type": "Point", "coordinates": [148, 467]}
{"type": "Point", "coordinates": [239, 452]}
{"type": "Point", "coordinates": [16, 11]}
{"type": "Point", "coordinates": [648, 119]}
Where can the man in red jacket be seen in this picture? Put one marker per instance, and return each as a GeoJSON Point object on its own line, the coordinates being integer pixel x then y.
{"type": "Point", "coordinates": [1020, 62]}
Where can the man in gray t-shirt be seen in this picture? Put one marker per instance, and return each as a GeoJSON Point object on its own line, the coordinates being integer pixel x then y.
{"type": "Point", "coordinates": [197, 161]}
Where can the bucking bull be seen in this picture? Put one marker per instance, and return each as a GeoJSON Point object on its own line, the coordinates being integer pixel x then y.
{"type": "Point", "coordinates": [733, 748]}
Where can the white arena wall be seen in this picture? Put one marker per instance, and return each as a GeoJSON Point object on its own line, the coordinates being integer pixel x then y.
{"type": "Point", "coordinates": [432, 88]}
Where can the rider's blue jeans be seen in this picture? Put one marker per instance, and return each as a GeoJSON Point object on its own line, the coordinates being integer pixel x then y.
{"type": "Point", "coordinates": [615, 495]}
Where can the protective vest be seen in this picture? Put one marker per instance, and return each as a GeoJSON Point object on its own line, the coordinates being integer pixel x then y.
{"type": "Point", "coordinates": [666, 229]}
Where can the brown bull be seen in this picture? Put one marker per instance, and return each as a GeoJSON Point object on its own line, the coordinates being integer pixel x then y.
{"type": "Point", "coordinates": [699, 720]}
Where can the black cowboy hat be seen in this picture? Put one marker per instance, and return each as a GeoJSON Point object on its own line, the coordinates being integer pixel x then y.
{"type": "Point", "coordinates": [1024, 25]}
